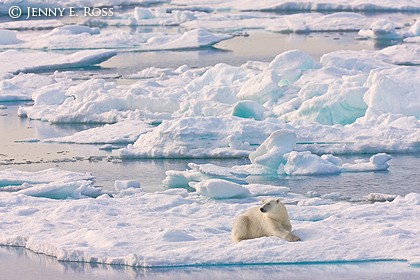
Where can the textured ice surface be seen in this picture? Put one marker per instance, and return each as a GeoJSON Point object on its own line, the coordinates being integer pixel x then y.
{"type": "Point", "coordinates": [298, 23]}
{"type": "Point", "coordinates": [349, 102]}
{"type": "Point", "coordinates": [71, 37]}
{"type": "Point", "coordinates": [380, 30]}
{"type": "Point", "coordinates": [378, 162]}
{"type": "Point", "coordinates": [117, 133]}
{"type": "Point", "coordinates": [201, 137]}
{"type": "Point", "coordinates": [147, 229]}
{"type": "Point", "coordinates": [51, 183]}
{"type": "Point", "coordinates": [220, 189]}
{"type": "Point", "coordinates": [22, 86]}
{"type": "Point", "coordinates": [13, 61]}
{"type": "Point", "coordinates": [270, 153]}
{"type": "Point", "coordinates": [120, 185]}
{"type": "Point", "coordinates": [305, 163]}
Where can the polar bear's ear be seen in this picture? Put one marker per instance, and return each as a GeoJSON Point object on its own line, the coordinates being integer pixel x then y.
{"type": "Point", "coordinates": [278, 200]}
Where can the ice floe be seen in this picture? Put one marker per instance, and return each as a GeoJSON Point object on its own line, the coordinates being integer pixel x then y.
{"type": "Point", "coordinates": [147, 229]}
{"type": "Point", "coordinates": [200, 137]}
{"type": "Point", "coordinates": [381, 30]}
{"type": "Point", "coordinates": [118, 133]}
{"type": "Point", "coordinates": [14, 61]}
{"type": "Point", "coordinates": [120, 185]}
{"type": "Point", "coordinates": [143, 16]}
{"type": "Point", "coordinates": [22, 86]}
{"type": "Point", "coordinates": [349, 102]}
{"type": "Point", "coordinates": [305, 163]}
{"type": "Point", "coordinates": [71, 37]}
{"type": "Point", "coordinates": [298, 23]}
{"type": "Point", "coordinates": [381, 197]}
{"type": "Point", "coordinates": [50, 183]}
{"type": "Point", "coordinates": [219, 189]}
{"type": "Point", "coordinates": [270, 153]}
{"type": "Point", "coordinates": [378, 162]}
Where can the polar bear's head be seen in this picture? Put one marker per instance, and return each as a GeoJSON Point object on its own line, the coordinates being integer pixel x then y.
{"type": "Point", "coordinates": [273, 207]}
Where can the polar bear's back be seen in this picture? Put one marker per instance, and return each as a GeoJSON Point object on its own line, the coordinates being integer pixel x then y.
{"type": "Point", "coordinates": [249, 225]}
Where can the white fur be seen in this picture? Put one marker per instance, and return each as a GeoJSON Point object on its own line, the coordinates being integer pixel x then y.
{"type": "Point", "coordinates": [254, 223]}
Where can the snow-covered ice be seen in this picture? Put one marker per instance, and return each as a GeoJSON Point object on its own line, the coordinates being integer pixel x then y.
{"type": "Point", "coordinates": [381, 30]}
{"type": "Point", "coordinates": [71, 37]}
{"type": "Point", "coordinates": [51, 183]}
{"type": "Point", "coordinates": [381, 197]}
{"type": "Point", "coordinates": [120, 185]}
{"type": "Point", "coordinates": [147, 229]}
{"type": "Point", "coordinates": [14, 61]}
{"type": "Point", "coordinates": [378, 162]}
{"type": "Point", "coordinates": [219, 189]}
{"type": "Point", "coordinates": [22, 86]}
{"type": "Point", "coordinates": [350, 101]}
{"type": "Point", "coordinates": [305, 163]}
{"type": "Point", "coordinates": [118, 133]}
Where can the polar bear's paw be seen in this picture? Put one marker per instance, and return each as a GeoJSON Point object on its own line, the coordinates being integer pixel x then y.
{"type": "Point", "coordinates": [292, 238]}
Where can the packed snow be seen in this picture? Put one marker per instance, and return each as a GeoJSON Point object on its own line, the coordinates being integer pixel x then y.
{"type": "Point", "coordinates": [147, 229]}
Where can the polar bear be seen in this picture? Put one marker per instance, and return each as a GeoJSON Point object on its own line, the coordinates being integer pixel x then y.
{"type": "Point", "coordinates": [269, 220]}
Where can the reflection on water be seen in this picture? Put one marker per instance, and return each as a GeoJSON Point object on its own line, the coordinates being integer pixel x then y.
{"type": "Point", "coordinates": [25, 263]}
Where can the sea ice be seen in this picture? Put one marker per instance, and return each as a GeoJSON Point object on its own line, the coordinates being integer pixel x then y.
{"type": "Point", "coordinates": [352, 101]}
{"type": "Point", "coordinates": [270, 153]}
{"type": "Point", "coordinates": [155, 225]}
{"type": "Point", "coordinates": [13, 61]}
{"type": "Point", "coordinates": [118, 133]}
{"type": "Point", "coordinates": [317, 22]}
{"type": "Point", "coordinates": [200, 137]}
{"type": "Point", "coordinates": [201, 172]}
{"type": "Point", "coordinates": [393, 91]}
{"type": "Point", "coordinates": [405, 54]}
{"type": "Point", "coordinates": [154, 16]}
{"type": "Point", "coordinates": [219, 189]}
{"type": "Point", "coordinates": [82, 37]}
{"type": "Point", "coordinates": [381, 30]}
{"type": "Point", "coordinates": [22, 86]}
{"type": "Point", "coordinates": [50, 183]}
{"type": "Point", "coordinates": [381, 197]}
{"type": "Point", "coordinates": [120, 185]}
{"type": "Point", "coordinates": [249, 109]}
{"type": "Point", "coordinates": [272, 82]}
{"type": "Point", "coordinates": [298, 23]}
{"type": "Point", "coordinates": [305, 163]}
{"type": "Point", "coordinates": [378, 162]}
